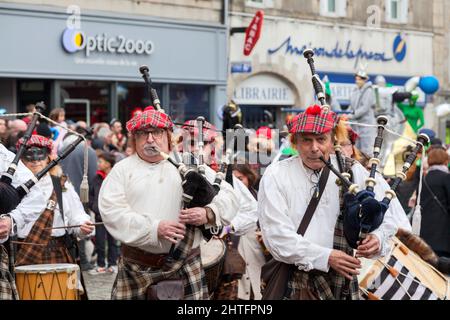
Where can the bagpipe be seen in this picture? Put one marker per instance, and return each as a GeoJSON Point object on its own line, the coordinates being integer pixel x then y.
{"type": "Point", "coordinates": [10, 196]}
{"type": "Point", "coordinates": [197, 190]}
{"type": "Point", "coordinates": [362, 212]}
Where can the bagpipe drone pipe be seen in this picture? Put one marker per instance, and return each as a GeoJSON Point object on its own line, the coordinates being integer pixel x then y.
{"type": "Point", "coordinates": [362, 212]}
{"type": "Point", "coordinates": [197, 191]}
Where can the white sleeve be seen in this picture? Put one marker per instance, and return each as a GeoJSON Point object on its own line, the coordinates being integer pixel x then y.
{"type": "Point", "coordinates": [121, 221]}
{"type": "Point", "coordinates": [225, 204]}
{"type": "Point", "coordinates": [279, 232]}
{"type": "Point", "coordinates": [32, 204]}
{"type": "Point", "coordinates": [246, 217]}
{"type": "Point", "coordinates": [74, 211]}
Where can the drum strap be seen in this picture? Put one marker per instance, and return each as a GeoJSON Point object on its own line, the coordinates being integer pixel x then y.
{"type": "Point", "coordinates": [70, 241]}
{"type": "Point", "coordinates": [58, 190]}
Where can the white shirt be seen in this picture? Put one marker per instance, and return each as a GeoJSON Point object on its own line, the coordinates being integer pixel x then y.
{"type": "Point", "coordinates": [136, 195]}
{"type": "Point", "coordinates": [32, 202]}
{"type": "Point", "coordinates": [250, 249]}
{"type": "Point", "coordinates": [247, 215]}
{"type": "Point", "coordinates": [284, 194]}
{"type": "Point", "coordinates": [74, 213]}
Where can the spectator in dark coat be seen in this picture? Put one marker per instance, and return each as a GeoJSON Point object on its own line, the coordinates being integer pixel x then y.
{"type": "Point", "coordinates": [435, 201]}
{"type": "Point", "coordinates": [105, 163]}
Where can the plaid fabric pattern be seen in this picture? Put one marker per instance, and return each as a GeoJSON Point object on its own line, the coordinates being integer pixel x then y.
{"type": "Point", "coordinates": [330, 285]}
{"type": "Point", "coordinates": [8, 289]}
{"type": "Point", "coordinates": [36, 141]}
{"type": "Point", "coordinates": [133, 280]}
{"type": "Point", "coordinates": [313, 120]}
{"type": "Point", "coordinates": [209, 130]}
{"type": "Point", "coordinates": [149, 119]}
{"type": "Point", "coordinates": [52, 252]}
{"type": "Point", "coordinates": [227, 290]}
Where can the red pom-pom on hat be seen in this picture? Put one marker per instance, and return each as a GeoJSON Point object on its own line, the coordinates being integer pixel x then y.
{"type": "Point", "coordinates": [149, 108]}
{"type": "Point", "coordinates": [313, 110]}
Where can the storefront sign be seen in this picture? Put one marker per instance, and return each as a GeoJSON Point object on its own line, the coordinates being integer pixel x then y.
{"type": "Point", "coordinates": [344, 50]}
{"type": "Point", "coordinates": [74, 40]}
{"type": "Point", "coordinates": [263, 90]}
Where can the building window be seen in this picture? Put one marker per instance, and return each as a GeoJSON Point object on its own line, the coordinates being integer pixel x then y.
{"type": "Point", "coordinates": [187, 102]}
{"type": "Point", "coordinates": [397, 11]}
{"type": "Point", "coordinates": [131, 97]}
{"type": "Point", "coordinates": [259, 3]}
{"type": "Point", "coordinates": [333, 8]}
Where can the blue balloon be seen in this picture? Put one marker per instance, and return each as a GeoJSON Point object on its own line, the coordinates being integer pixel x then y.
{"type": "Point", "coordinates": [429, 84]}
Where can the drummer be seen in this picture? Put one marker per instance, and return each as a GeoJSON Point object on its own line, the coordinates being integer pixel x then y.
{"type": "Point", "coordinates": [63, 209]}
{"type": "Point", "coordinates": [9, 222]}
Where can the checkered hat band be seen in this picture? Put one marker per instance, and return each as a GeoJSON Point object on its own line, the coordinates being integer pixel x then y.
{"type": "Point", "coordinates": [37, 141]}
{"type": "Point", "coordinates": [307, 123]}
{"type": "Point", "coordinates": [149, 119]}
{"type": "Point", "coordinates": [209, 130]}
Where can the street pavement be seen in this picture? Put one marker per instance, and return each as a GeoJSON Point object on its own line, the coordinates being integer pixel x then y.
{"type": "Point", "coordinates": [98, 286]}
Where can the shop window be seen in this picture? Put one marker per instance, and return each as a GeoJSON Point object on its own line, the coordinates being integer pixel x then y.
{"type": "Point", "coordinates": [396, 11]}
{"type": "Point", "coordinates": [132, 97]}
{"type": "Point", "coordinates": [32, 91]}
{"type": "Point", "coordinates": [188, 102]}
{"type": "Point", "coordinates": [259, 3]}
{"type": "Point", "coordinates": [333, 8]}
{"type": "Point", "coordinates": [86, 100]}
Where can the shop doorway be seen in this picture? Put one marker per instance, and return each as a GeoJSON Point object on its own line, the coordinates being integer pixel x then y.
{"type": "Point", "coordinates": [32, 91]}
{"type": "Point", "coordinates": [78, 110]}
{"type": "Point", "coordinates": [86, 100]}
{"type": "Point", "coordinates": [254, 117]}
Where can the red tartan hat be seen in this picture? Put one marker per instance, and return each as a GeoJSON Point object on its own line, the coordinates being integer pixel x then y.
{"type": "Point", "coordinates": [209, 130]}
{"type": "Point", "coordinates": [313, 120]}
{"type": "Point", "coordinates": [149, 118]}
{"type": "Point", "coordinates": [36, 141]}
{"type": "Point", "coordinates": [264, 132]}
{"type": "Point", "coordinates": [352, 135]}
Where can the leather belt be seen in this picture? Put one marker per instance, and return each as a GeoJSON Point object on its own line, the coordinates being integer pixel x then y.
{"type": "Point", "coordinates": [147, 259]}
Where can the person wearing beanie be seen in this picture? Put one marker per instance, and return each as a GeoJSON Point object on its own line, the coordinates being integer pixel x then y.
{"type": "Point", "coordinates": [13, 219]}
{"type": "Point", "coordinates": [323, 264]}
{"type": "Point", "coordinates": [64, 208]}
{"type": "Point", "coordinates": [140, 203]}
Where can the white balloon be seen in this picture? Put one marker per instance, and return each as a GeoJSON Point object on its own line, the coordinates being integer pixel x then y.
{"type": "Point", "coordinates": [443, 110]}
{"type": "Point", "coordinates": [412, 84]}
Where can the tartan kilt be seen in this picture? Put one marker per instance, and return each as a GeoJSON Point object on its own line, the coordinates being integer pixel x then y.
{"type": "Point", "coordinates": [8, 289]}
{"type": "Point", "coordinates": [227, 290]}
{"type": "Point", "coordinates": [40, 233]}
{"type": "Point", "coordinates": [51, 254]}
{"type": "Point", "coordinates": [325, 285]}
{"type": "Point", "coordinates": [133, 280]}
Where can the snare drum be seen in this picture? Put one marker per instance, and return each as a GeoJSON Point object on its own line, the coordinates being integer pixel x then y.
{"type": "Point", "coordinates": [213, 256]}
{"type": "Point", "coordinates": [401, 275]}
{"type": "Point", "coordinates": [57, 281]}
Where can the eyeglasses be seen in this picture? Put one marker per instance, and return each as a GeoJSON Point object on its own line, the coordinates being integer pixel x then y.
{"type": "Point", "coordinates": [156, 133]}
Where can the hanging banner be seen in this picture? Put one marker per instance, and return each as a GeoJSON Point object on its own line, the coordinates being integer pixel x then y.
{"type": "Point", "coordinates": [253, 32]}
